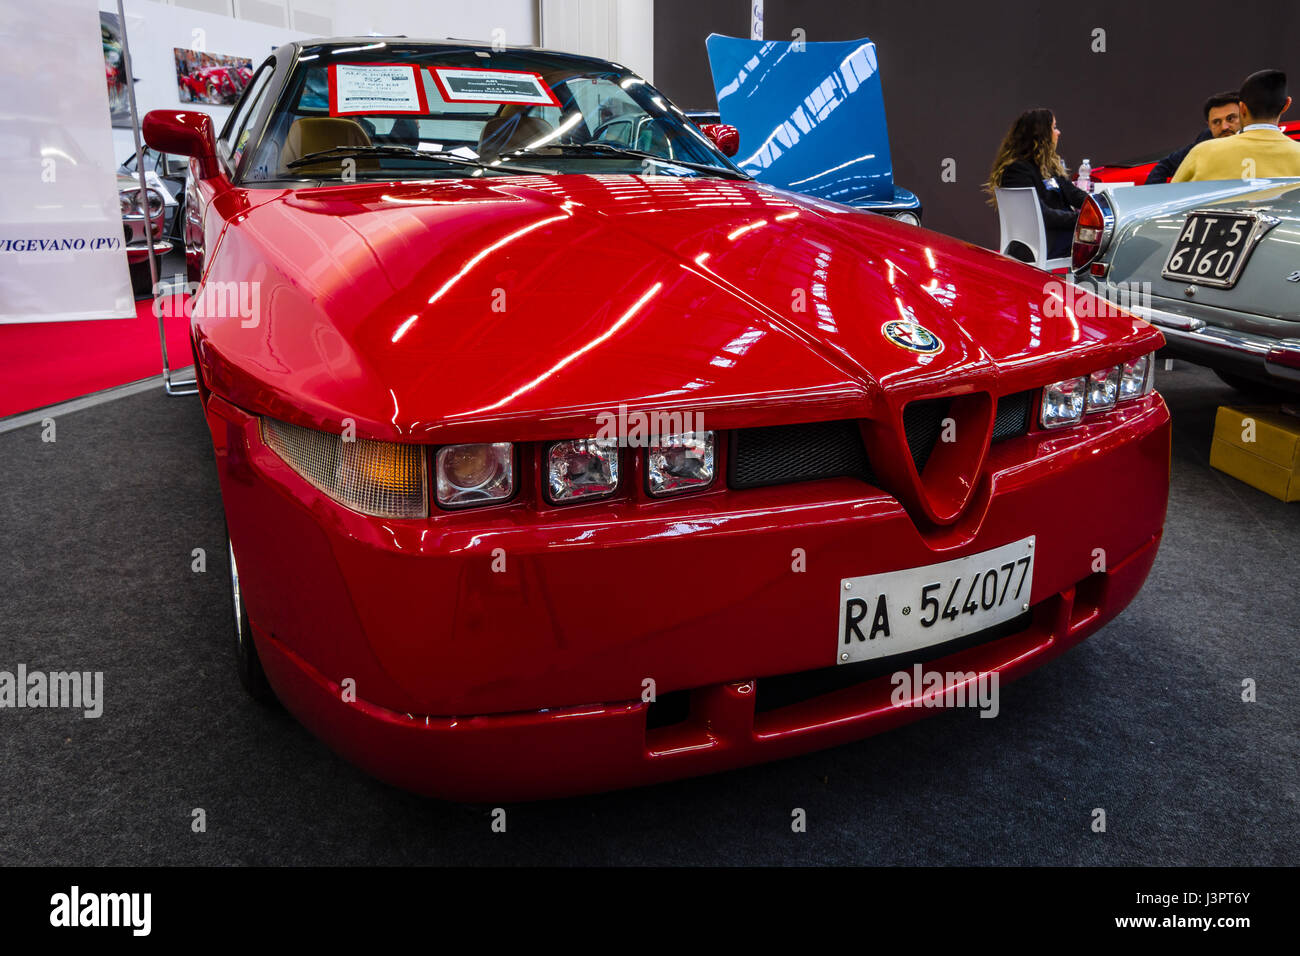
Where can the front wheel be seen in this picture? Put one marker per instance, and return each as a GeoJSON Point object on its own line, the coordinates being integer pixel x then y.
{"type": "Point", "coordinates": [247, 662]}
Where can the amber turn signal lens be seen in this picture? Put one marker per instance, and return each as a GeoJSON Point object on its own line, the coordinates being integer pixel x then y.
{"type": "Point", "coordinates": [377, 478]}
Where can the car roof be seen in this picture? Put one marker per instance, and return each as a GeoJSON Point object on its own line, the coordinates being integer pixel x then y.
{"type": "Point", "coordinates": [448, 44]}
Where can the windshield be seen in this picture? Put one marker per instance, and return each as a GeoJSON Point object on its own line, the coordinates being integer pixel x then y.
{"type": "Point", "coordinates": [414, 111]}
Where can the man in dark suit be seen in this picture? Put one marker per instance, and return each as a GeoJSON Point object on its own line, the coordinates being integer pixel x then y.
{"type": "Point", "coordinates": [1222, 118]}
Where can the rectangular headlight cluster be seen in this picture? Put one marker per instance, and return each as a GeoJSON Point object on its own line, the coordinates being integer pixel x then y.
{"type": "Point", "coordinates": [1067, 401]}
{"type": "Point", "coordinates": [387, 479]}
{"type": "Point", "coordinates": [586, 469]}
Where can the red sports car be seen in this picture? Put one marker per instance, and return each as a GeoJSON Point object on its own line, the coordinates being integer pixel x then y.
{"type": "Point", "coordinates": [1136, 173]}
{"type": "Point", "coordinates": [215, 84]}
{"type": "Point", "coordinates": [542, 455]}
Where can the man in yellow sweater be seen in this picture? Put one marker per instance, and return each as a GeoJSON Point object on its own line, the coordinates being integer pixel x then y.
{"type": "Point", "coordinates": [1260, 150]}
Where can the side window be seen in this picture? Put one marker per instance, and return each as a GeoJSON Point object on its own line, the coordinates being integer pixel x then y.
{"type": "Point", "coordinates": [235, 140]}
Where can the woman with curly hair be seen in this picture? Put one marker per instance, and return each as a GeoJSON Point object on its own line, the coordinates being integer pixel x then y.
{"type": "Point", "coordinates": [1028, 157]}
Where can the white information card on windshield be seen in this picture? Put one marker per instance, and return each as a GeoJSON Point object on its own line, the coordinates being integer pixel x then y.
{"type": "Point", "coordinates": [471, 85]}
{"type": "Point", "coordinates": [376, 88]}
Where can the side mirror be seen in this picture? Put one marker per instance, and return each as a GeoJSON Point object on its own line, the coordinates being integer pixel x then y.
{"type": "Point", "coordinates": [726, 138]}
{"type": "Point", "coordinates": [184, 133]}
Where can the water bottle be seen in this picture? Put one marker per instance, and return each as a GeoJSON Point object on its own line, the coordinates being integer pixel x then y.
{"type": "Point", "coordinates": [1084, 181]}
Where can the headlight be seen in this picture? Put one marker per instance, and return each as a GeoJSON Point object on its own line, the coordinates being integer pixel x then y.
{"type": "Point", "coordinates": [377, 478]}
{"type": "Point", "coordinates": [582, 469]}
{"type": "Point", "coordinates": [1103, 388]}
{"type": "Point", "coordinates": [469, 475]}
{"type": "Point", "coordinates": [1063, 402]}
{"type": "Point", "coordinates": [156, 202]}
{"type": "Point", "coordinates": [681, 463]}
{"type": "Point", "coordinates": [1135, 377]}
{"type": "Point", "coordinates": [911, 218]}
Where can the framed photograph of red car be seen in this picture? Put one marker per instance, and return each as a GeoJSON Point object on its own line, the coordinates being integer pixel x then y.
{"type": "Point", "coordinates": [648, 432]}
{"type": "Point", "coordinates": [210, 78]}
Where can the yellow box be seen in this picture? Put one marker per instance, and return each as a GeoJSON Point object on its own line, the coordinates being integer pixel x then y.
{"type": "Point", "coordinates": [1269, 462]}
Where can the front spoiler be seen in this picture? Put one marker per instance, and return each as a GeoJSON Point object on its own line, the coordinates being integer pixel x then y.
{"type": "Point", "coordinates": [604, 746]}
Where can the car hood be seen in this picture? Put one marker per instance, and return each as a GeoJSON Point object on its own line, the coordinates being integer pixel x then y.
{"type": "Point", "coordinates": [521, 308]}
{"type": "Point", "coordinates": [1148, 219]}
{"type": "Point", "coordinates": [811, 115]}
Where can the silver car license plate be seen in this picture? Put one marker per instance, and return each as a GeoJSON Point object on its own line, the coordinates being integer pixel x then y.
{"type": "Point", "coordinates": [1213, 245]}
{"type": "Point", "coordinates": [900, 611]}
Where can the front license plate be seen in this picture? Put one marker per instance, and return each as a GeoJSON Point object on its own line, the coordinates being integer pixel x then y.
{"type": "Point", "coordinates": [900, 611]}
{"type": "Point", "coordinates": [1213, 247]}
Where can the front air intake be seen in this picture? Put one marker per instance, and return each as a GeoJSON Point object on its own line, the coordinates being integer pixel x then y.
{"type": "Point", "coordinates": [923, 423]}
{"type": "Point", "coordinates": [779, 454]}
{"type": "Point", "coordinates": [1011, 420]}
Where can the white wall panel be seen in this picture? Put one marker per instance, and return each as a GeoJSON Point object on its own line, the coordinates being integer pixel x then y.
{"type": "Point", "coordinates": [474, 20]}
{"type": "Point", "coordinates": [154, 29]}
{"type": "Point", "coordinates": [274, 13]}
{"type": "Point", "coordinates": [225, 8]}
{"type": "Point", "coordinates": [315, 17]}
{"type": "Point", "coordinates": [618, 30]}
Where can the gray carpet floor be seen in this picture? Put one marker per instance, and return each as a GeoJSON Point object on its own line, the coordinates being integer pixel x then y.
{"type": "Point", "coordinates": [1144, 719]}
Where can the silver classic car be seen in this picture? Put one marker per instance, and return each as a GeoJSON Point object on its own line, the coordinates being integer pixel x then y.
{"type": "Point", "coordinates": [1214, 265]}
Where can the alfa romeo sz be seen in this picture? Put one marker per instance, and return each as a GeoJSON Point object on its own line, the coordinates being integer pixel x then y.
{"type": "Point", "coordinates": [560, 459]}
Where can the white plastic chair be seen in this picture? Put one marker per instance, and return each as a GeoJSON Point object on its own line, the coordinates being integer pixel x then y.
{"type": "Point", "coordinates": [1021, 220]}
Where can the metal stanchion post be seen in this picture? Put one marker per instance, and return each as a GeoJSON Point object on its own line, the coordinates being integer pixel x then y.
{"type": "Point", "coordinates": [181, 387]}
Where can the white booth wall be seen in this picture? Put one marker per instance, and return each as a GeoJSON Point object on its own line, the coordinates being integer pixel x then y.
{"type": "Point", "coordinates": [253, 28]}
{"type": "Point", "coordinates": [155, 29]}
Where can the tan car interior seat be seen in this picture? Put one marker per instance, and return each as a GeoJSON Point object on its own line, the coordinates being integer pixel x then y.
{"type": "Point", "coordinates": [311, 134]}
{"type": "Point", "coordinates": [511, 129]}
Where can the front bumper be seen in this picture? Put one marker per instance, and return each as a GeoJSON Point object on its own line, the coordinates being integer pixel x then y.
{"type": "Point", "coordinates": [1207, 336]}
{"type": "Point", "coordinates": [137, 240]}
{"type": "Point", "coordinates": [606, 746]}
{"type": "Point", "coordinates": [140, 252]}
{"type": "Point", "coordinates": [550, 651]}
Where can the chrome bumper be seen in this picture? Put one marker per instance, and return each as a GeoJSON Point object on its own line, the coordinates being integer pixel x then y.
{"type": "Point", "coordinates": [1280, 357]}
{"type": "Point", "coordinates": [138, 252]}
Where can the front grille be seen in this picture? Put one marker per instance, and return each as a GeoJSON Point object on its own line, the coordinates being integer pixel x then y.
{"type": "Point", "coordinates": [786, 689]}
{"type": "Point", "coordinates": [1012, 417]}
{"type": "Point", "coordinates": [923, 423]}
{"type": "Point", "coordinates": [778, 454]}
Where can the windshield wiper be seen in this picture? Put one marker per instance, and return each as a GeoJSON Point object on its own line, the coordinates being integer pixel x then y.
{"type": "Point", "coordinates": [624, 151]}
{"type": "Point", "coordinates": [406, 152]}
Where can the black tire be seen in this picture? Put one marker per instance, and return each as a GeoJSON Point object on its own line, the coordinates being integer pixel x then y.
{"type": "Point", "coordinates": [141, 279]}
{"type": "Point", "coordinates": [248, 664]}
{"type": "Point", "coordinates": [1254, 389]}
{"type": "Point", "coordinates": [177, 232]}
